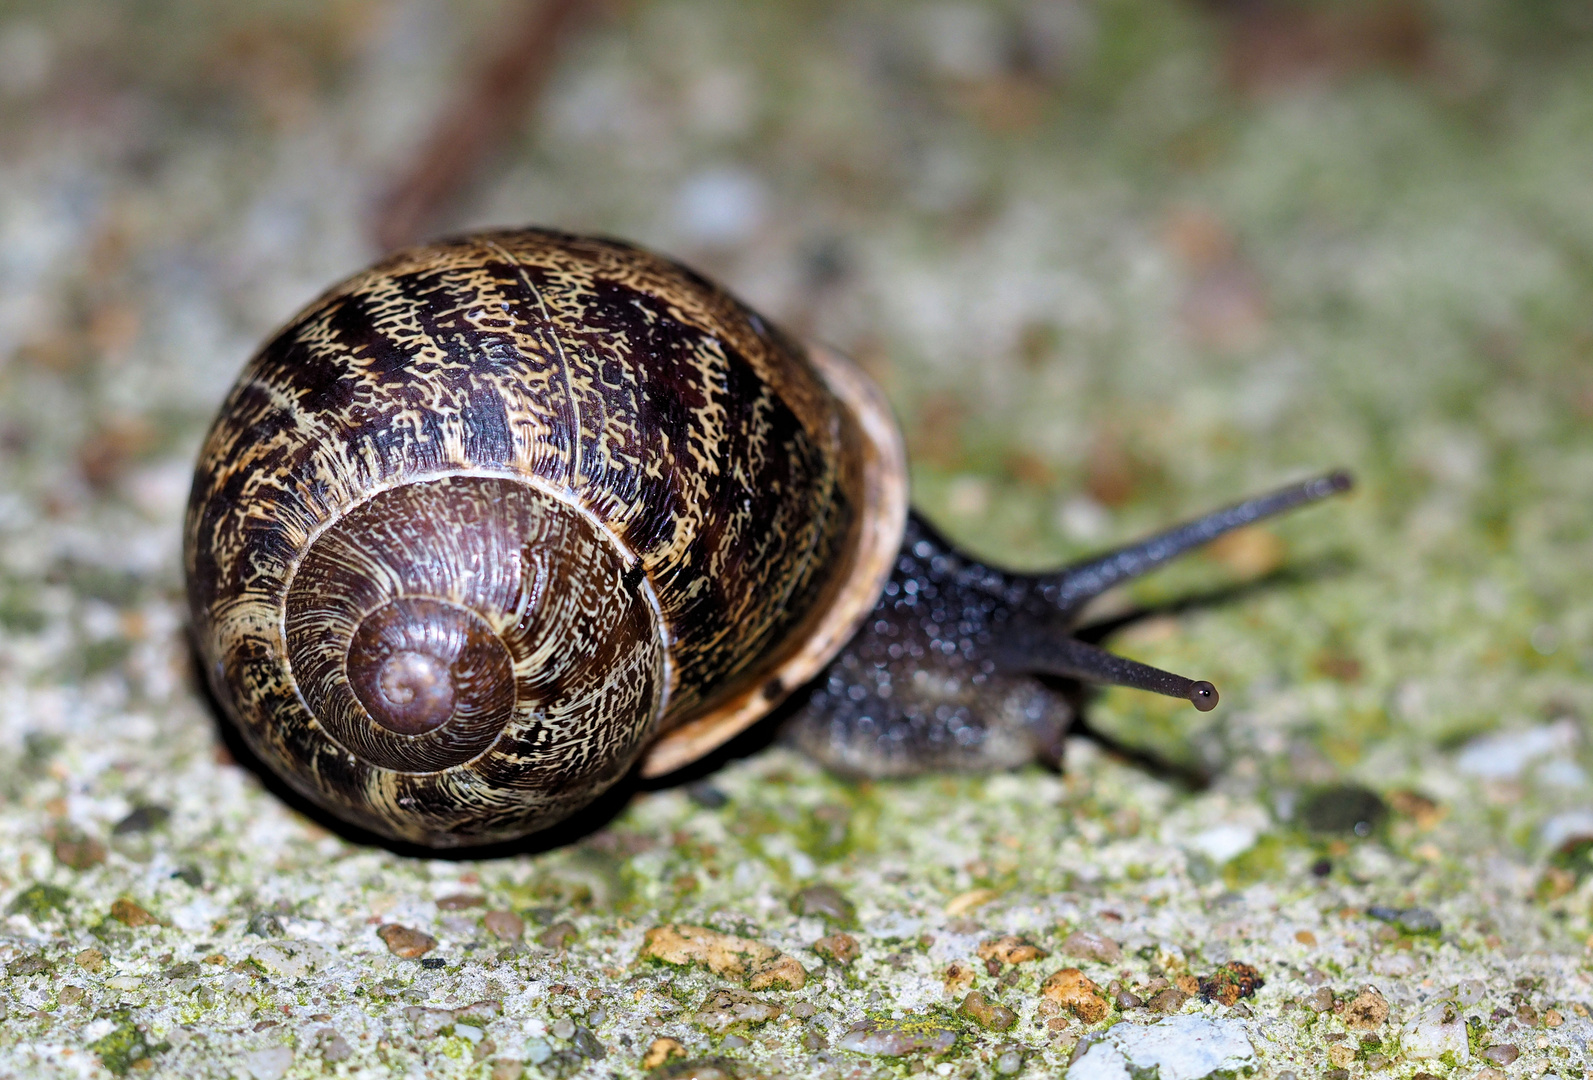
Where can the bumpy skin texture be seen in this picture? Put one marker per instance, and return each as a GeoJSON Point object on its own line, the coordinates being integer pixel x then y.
{"type": "Point", "coordinates": [923, 687]}
{"type": "Point", "coordinates": [524, 455]}
{"type": "Point", "coordinates": [943, 673]}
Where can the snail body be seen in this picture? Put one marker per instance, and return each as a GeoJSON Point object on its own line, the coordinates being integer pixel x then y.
{"type": "Point", "coordinates": [502, 518]}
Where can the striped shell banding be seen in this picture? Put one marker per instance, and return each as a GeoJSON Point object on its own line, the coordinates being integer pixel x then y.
{"type": "Point", "coordinates": [485, 523]}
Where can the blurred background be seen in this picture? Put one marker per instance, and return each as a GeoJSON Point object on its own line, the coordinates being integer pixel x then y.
{"type": "Point", "coordinates": [1113, 261]}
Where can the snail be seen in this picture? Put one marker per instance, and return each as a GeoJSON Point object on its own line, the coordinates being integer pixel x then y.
{"type": "Point", "coordinates": [497, 521]}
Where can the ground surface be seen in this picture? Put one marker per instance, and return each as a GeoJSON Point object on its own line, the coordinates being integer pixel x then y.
{"type": "Point", "coordinates": [1115, 262]}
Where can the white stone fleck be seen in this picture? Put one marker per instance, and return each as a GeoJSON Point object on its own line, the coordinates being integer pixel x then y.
{"type": "Point", "coordinates": [1397, 964]}
{"type": "Point", "coordinates": [290, 959]}
{"type": "Point", "coordinates": [1223, 842]}
{"type": "Point", "coordinates": [1506, 754]}
{"type": "Point", "coordinates": [894, 926]}
{"type": "Point", "coordinates": [196, 915]}
{"type": "Point", "coordinates": [269, 1063]}
{"type": "Point", "coordinates": [1178, 1048]}
{"type": "Point", "coordinates": [1435, 1031]}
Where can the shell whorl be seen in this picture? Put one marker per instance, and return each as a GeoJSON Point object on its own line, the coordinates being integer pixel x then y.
{"type": "Point", "coordinates": [441, 618]}
{"type": "Point", "coordinates": [481, 521]}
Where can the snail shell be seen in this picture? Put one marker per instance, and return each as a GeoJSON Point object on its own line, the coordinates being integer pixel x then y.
{"type": "Point", "coordinates": [488, 522]}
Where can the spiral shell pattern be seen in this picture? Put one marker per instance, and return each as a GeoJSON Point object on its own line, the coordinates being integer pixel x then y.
{"type": "Point", "coordinates": [483, 520]}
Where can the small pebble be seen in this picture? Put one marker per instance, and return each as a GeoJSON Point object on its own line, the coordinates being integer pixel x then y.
{"type": "Point", "coordinates": [958, 976]}
{"type": "Point", "coordinates": [1413, 920]}
{"type": "Point", "coordinates": [1011, 950]}
{"type": "Point", "coordinates": [1346, 809]}
{"type": "Point", "coordinates": [1169, 1001]}
{"type": "Point", "coordinates": [128, 913]}
{"type": "Point", "coordinates": [334, 1048]}
{"type": "Point", "coordinates": [434, 963]}
{"type": "Point", "coordinates": [1368, 1010]}
{"type": "Point", "coordinates": [264, 924]}
{"type": "Point", "coordinates": [583, 1042]}
{"type": "Point", "coordinates": [1232, 981]}
{"type": "Point", "coordinates": [824, 902]}
{"type": "Point", "coordinates": [482, 1013]}
{"type": "Point", "coordinates": [762, 966]}
{"type": "Point", "coordinates": [1076, 992]}
{"type": "Point", "coordinates": [1320, 1000]}
{"type": "Point", "coordinates": [706, 795]}
{"type": "Point", "coordinates": [729, 1008]}
{"type": "Point", "coordinates": [660, 1051]}
{"type": "Point", "coordinates": [404, 942]}
{"type": "Point", "coordinates": [563, 1028]}
{"type": "Point", "coordinates": [839, 949]}
{"type": "Point", "coordinates": [1009, 1062]}
{"type": "Point", "coordinates": [558, 936]}
{"type": "Point", "coordinates": [460, 901]}
{"type": "Point", "coordinates": [1434, 1032]}
{"type": "Point", "coordinates": [1501, 1054]}
{"type": "Point", "coordinates": [1086, 946]}
{"type": "Point", "coordinates": [989, 1015]}
{"type": "Point", "coordinates": [429, 1023]}
{"type": "Point", "coordinates": [504, 925]}
{"type": "Point", "coordinates": [143, 819]}
{"type": "Point", "coordinates": [895, 1038]}
{"type": "Point", "coordinates": [78, 852]}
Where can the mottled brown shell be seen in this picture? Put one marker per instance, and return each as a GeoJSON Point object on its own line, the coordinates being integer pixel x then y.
{"type": "Point", "coordinates": [486, 523]}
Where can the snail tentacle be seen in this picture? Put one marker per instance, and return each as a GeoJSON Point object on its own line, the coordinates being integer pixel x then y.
{"type": "Point", "coordinates": [942, 675]}
{"type": "Point", "coordinates": [1069, 589]}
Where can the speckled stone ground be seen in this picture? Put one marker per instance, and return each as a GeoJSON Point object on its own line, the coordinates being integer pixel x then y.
{"type": "Point", "coordinates": [1115, 262]}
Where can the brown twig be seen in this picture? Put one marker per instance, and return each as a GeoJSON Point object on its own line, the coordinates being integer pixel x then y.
{"type": "Point", "coordinates": [469, 131]}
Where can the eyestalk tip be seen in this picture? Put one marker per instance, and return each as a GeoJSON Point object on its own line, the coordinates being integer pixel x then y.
{"type": "Point", "coordinates": [1203, 696]}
